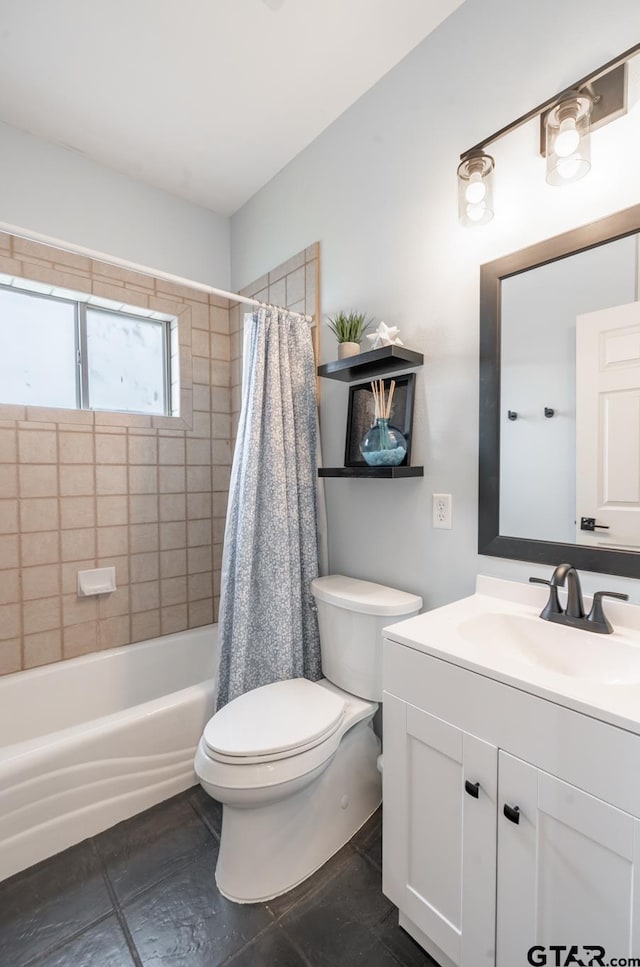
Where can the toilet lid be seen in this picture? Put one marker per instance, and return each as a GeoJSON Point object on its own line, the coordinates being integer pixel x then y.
{"type": "Point", "coordinates": [280, 718]}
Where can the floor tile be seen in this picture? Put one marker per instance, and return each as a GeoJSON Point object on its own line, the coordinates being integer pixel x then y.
{"type": "Point", "coordinates": [206, 807]}
{"type": "Point", "coordinates": [272, 948]}
{"type": "Point", "coordinates": [151, 846]}
{"type": "Point", "coordinates": [185, 922]}
{"type": "Point", "coordinates": [50, 902]}
{"type": "Point", "coordinates": [368, 839]}
{"type": "Point", "coordinates": [101, 946]}
{"type": "Point", "coordinates": [402, 946]}
{"type": "Point", "coordinates": [283, 904]}
{"type": "Point", "coordinates": [336, 924]}
{"type": "Point", "coordinates": [161, 865]}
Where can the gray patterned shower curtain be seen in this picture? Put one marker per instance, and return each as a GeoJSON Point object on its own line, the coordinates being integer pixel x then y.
{"type": "Point", "coordinates": [267, 632]}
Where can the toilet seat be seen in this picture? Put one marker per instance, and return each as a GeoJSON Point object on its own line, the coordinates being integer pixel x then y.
{"type": "Point", "coordinates": [249, 780]}
{"type": "Point", "coordinates": [274, 722]}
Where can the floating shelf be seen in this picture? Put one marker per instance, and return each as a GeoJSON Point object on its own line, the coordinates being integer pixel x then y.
{"type": "Point", "coordinates": [371, 472]}
{"type": "Point", "coordinates": [374, 363]}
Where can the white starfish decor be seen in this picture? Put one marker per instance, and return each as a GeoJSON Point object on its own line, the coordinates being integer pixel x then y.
{"type": "Point", "coordinates": [385, 336]}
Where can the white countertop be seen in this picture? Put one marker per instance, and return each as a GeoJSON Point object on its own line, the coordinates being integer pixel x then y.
{"type": "Point", "coordinates": [497, 632]}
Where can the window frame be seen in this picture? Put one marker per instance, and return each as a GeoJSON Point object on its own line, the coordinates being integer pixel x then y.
{"type": "Point", "coordinates": [80, 308]}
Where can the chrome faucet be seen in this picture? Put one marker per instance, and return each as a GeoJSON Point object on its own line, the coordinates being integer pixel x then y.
{"type": "Point", "coordinates": [574, 615]}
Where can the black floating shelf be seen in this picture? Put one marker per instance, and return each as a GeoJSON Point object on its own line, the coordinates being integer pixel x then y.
{"type": "Point", "coordinates": [374, 363]}
{"type": "Point", "coordinates": [371, 472]}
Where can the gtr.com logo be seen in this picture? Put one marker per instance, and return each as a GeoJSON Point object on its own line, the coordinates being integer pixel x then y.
{"type": "Point", "coordinates": [559, 955]}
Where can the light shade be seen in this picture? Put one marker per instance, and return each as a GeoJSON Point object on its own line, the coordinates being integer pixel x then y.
{"type": "Point", "coordinates": [568, 138]}
{"type": "Point", "coordinates": [475, 189]}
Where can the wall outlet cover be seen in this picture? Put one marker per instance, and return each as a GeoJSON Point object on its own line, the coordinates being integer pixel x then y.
{"type": "Point", "coordinates": [442, 510]}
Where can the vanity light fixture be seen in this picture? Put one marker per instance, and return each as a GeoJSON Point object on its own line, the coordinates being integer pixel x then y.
{"type": "Point", "coordinates": [566, 120]}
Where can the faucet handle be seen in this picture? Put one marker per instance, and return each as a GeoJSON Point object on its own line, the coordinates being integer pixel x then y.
{"type": "Point", "coordinates": [597, 615]}
{"type": "Point", "coordinates": [553, 605]}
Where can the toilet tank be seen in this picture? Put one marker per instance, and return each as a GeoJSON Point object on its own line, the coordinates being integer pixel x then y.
{"type": "Point", "coordinates": [351, 616]}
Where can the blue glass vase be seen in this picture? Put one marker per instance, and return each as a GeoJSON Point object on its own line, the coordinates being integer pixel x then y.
{"type": "Point", "coordinates": [383, 445]}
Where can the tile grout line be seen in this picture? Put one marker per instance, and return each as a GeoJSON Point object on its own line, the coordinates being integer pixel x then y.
{"type": "Point", "coordinates": [315, 890]}
{"type": "Point", "coordinates": [295, 945]}
{"type": "Point", "coordinates": [141, 891]}
{"type": "Point", "coordinates": [366, 857]}
{"type": "Point", "coordinates": [204, 820]}
{"type": "Point", "coordinates": [395, 956]}
{"type": "Point", "coordinates": [37, 959]}
{"type": "Point", "coordinates": [232, 956]}
{"type": "Point", "coordinates": [122, 920]}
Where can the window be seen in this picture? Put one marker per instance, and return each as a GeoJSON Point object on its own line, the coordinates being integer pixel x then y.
{"type": "Point", "coordinates": [65, 352]}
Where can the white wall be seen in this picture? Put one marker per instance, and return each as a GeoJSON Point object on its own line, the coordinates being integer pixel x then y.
{"type": "Point", "coordinates": [378, 189]}
{"type": "Point", "coordinates": [53, 191]}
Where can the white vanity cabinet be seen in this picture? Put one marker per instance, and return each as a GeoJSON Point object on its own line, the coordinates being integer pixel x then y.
{"type": "Point", "coordinates": [477, 887]}
{"type": "Point", "coordinates": [439, 840]}
{"type": "Point", "coordinates": [566, 870]}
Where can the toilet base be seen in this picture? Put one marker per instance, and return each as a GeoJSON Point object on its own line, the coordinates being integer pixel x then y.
{"type": "Point", "coordinates": [267, 850]}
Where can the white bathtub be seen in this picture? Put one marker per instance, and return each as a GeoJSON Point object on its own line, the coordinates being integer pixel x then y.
{"type": "Point", "coordinates": [88, 742]}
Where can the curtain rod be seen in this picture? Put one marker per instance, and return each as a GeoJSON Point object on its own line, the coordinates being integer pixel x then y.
{"type": "Point", "coordinates": [144, 269]}
{"type": "Point", "coordinates": [235, 297]}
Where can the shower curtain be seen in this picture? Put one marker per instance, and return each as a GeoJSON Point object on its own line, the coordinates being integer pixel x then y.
{"type": "Point", "coordinates": [267, 630]}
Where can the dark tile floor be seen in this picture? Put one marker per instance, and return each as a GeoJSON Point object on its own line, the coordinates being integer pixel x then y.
{"type": "Point", "coordinates": [143, 894]}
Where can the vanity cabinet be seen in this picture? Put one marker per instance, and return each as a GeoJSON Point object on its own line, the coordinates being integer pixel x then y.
{"type": "Point", "coordinates": [566, 870]}
{"type": "Point", "coordinates": [478, 885]}
{"type": "Point", "coordinates": [439, 840]}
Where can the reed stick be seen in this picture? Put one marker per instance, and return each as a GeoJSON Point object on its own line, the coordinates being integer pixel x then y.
{"type": "Point", "coordinates": [388, 409]}
{"type": "Point", "coordinates": [382, 402]}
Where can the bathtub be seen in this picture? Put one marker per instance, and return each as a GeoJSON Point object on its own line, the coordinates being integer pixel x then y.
{"type": "Point", "coordinates": [88, 742]}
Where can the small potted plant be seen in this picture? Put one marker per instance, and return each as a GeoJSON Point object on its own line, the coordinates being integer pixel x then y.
{"type": "Point", "coordinates": [348, 328]}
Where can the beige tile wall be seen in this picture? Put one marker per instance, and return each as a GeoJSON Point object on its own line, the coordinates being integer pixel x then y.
{"type": "Point", "coordinates": [294, 285]}
{"type": "Point", "coordinates": [146, 494]}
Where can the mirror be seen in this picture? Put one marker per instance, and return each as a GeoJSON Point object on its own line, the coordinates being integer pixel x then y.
{"type": "Point", "coordinates": [539, 308]}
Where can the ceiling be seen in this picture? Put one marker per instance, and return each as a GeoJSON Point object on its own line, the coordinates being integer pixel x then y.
{"type": "Point", "coordinates": [206, 99]}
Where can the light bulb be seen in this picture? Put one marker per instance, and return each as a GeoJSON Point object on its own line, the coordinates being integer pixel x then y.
{"type": "Point", "coordinates": [567, 139]}
{"type": "Point", "coordinates": [476, 189]}
{"type": "Point", "coordinates": [568, 168]}
{"type": "Point", "coordinates": [476, 213]}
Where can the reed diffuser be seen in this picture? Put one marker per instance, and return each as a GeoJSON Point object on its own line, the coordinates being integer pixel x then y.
{"type": "Point", "coordinates": [383, 445]}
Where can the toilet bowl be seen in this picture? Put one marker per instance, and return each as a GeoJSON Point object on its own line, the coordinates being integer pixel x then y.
{"type": "Point", "coordinates": [294, 763]}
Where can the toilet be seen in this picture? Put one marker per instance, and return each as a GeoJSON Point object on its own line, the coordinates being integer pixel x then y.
{"type": "Point", "coordinates": [294, 763]}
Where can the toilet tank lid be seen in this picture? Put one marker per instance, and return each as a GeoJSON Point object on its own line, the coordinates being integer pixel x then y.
{"type": "Point", "coordinates": [364, 596]}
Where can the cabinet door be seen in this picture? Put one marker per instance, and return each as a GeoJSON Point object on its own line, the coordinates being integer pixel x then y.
{"type": "Point", "coordinates": [439, 840]}
{"type": "Point", "coordinates": [566, 869]}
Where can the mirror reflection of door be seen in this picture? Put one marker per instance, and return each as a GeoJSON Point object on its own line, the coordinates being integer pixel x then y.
{"type": "Point", "coordinates": [608, 427]}
{"type": "Point", "coordinates": [539, 308]}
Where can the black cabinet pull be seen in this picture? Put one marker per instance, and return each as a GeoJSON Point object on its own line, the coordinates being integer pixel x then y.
{"type": "Point", "coordinates": [472, 788]}
{"type": "Point", "coordinates": [512, 813]}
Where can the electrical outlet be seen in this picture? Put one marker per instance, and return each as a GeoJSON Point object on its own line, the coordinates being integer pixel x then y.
{"type": "Point", "coordinates": [442, 511]}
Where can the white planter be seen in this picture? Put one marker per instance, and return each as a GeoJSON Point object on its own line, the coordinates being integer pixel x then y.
{"type": "Point", "coordinates": [346, 349]}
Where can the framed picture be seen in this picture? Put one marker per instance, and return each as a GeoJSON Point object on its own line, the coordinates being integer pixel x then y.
{"type": "Point", "coordinates": [360, 416]}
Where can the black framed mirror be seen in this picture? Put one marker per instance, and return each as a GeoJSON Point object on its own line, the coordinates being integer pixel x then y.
{"type": "Point", "coordinates": [509, 525]}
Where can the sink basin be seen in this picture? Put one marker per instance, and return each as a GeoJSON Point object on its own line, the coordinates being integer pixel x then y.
{"type": "Point", "coordinates": [498, 633]}
{"type": "Point", "coordinates": [604, 659]}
